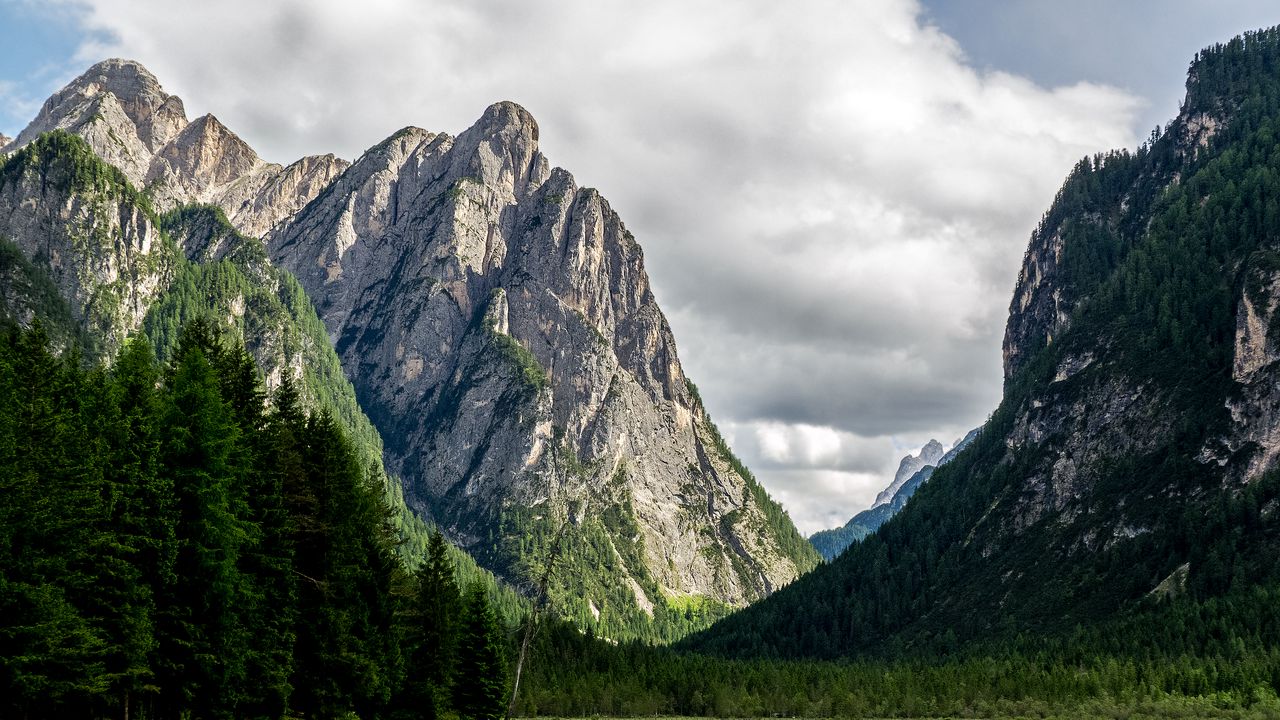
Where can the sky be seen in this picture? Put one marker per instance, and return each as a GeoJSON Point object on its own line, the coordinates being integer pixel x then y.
{"type": "Point", "coordinates": [833, 196]}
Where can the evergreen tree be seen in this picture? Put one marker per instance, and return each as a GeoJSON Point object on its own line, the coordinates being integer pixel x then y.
{"type": "Point", "coordinates": [205, 644]}
{"type": "Point", "coordinates": [435, 617]}
{"type": "Point", "coordinates": [51, 651]}
{"type": "Point", "coordinates": [348, 648]}
{"type": "Point", "coordinates": [480, 688]}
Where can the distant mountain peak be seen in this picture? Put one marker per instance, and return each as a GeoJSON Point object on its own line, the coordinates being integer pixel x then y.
{"type": "Point", "coordinates": [930, 454]}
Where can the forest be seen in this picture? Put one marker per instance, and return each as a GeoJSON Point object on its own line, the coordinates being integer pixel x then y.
{"type": "Point", "coordinates": [177, 544]}
{"type": "Point", "coordinates": [174, 546]}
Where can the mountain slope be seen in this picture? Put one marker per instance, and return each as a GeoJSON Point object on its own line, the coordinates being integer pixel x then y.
{"type": "Point", "coordinates": [1132, 457]}
{"type": "Point", "coordinates": [497, 324]}
{"type": "Point", "coordinates": [498, 320]}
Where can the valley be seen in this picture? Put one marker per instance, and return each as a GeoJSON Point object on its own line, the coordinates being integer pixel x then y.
{"type": "Point", "coordinates": [409, 437]}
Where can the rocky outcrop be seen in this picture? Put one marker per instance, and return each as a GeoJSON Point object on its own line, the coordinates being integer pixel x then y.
{"type": "Point", "coordinates": [128, 119]}
{"type": "Point", "coordinates": [4, 141]}
{"type": "Point", "coordinates": [1255, 409]}
{"type": "Point", "coordinates": [497, 319]}
{"type": "Point", "coordinates": [86, 230]}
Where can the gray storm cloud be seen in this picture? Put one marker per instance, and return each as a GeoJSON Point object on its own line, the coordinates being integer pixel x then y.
{"type": "Point", "coordinates": [832, 201]}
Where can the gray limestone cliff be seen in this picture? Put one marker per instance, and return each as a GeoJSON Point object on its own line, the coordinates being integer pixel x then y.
{"type": "Point", "coordinates": [497, 319]}
{"type": "Point", "coordinates": [121, 110]}
{"type": "Point", "coordinates": [494, 318]}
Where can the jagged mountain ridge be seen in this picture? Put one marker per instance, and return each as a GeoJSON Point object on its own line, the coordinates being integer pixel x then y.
{"type": "Point", "coordinates": [532, 378]}
{"type": "Point", "coordinates": [1132, 460]}
{"type": "Point", "coordinates": [124, 114]}
{"type": "Point", "coordinates": [830, 543]}
{"type": "Point", "coordinates": [475, 292]}
{"type": "Point", "coordinates": [929, 455]}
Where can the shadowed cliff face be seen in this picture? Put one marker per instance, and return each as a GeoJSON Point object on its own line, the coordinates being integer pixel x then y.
{"type": "Point", "coordinates": [497, 319]}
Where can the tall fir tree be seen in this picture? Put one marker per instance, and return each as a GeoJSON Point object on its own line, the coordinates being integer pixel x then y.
{"type": "Point", "coordinates": [437, 607]}
{"type": "Point", "coordinates": [480, 692]}
{"type": "Point", "coordinates": [206, 645]}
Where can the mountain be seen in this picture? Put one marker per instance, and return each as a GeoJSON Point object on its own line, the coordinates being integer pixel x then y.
{"type": "Point", "coordinates": [493, 319]}
{"type": "Point", "coordinates": [830, 543]}
{"type": "Point", "coordinates": [908, 467]}
{"type": "Point", "coordinates": [1126, 487]}
{"type": "Point", "coordinates": [83, 251]}
{"type": "Point", "coordinates": [497, 319]}
{"type": "Point", "coordinates": [128, 119]}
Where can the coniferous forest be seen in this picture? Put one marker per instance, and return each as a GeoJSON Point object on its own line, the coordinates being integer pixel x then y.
{"type": "Point", "coordinates": [180, 545]}
{"type": "Point", "coordinates": [175, 545]}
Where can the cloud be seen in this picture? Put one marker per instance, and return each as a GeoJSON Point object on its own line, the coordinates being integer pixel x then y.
{"type": "Point", "coordinates": [833, 203]}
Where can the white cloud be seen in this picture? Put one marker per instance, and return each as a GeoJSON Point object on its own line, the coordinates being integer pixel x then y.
{"type": "Point", "coordinates": [833, 203]}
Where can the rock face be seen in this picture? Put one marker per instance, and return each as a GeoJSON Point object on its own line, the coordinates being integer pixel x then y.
{"type": "Point", "coordinates": [930, 454]}
{"type": "Point", "coordinates": [128, 119]}
{"type": "Point", "coordinates": [830, 543]}
{"type": "Point", "coordinates": [83, 229]}
{"type": "Point", "coordinates": [497, 319]}
{"type": "Point", "coordinates": [1255, 410]}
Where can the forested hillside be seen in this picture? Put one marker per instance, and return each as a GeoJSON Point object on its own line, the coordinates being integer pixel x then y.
{"type": "Point", "coordinates": [173, 543]}
{"type": "Point", "coordinates": [1127, 465]}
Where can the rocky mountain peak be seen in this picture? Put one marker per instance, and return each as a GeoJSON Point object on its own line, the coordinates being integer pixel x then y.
{"type": "Point", "coordinates": [120, 108]}
{"type": "Point", "coordinates": [4, 140]}
{"type": "Point", "coordinates": [203, 158]}
{"type": "Point", "coordinates": [157, 114]}
{"type": "Point", "coordinates": [501, 150]}
{"type": "Point", "coordinates": [475, 293]}
{"type": "Point", "coordinates": [929, 455]}
{"type": "Point", "coordinates": [128, 119]}
{"type": "Point", "coordinates": [508, 118]}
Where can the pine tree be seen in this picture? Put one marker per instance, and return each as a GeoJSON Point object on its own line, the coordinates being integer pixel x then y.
{"type": "Point", "coordinates": [205, 645]}
{"type": "Point", "coordinates": [433, 637]}
{"type": "Point", "coordinates": [480, 688]}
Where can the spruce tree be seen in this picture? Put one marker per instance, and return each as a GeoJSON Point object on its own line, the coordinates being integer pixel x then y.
{"type": "Point", "coordinates": [435, 622]}
{"type": "Point", "coordinates": [205, 645]}
{"type": "Point", "coordinates": [480, 690]}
